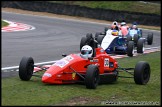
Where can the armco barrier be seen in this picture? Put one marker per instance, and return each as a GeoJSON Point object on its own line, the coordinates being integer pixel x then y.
{"type": "Point", "coordinates": [75, 10]}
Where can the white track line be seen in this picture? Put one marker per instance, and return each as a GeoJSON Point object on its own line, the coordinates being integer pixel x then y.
{"type": "Point", "coordinates": [16, 67]}
{"type": "Point", "coordinates": [13, 68]}
{"type": "Point", "coordinates": [16, 26]}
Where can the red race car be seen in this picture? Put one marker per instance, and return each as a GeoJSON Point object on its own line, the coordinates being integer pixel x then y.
{"type": "Point", "coordinates": [91, 70]}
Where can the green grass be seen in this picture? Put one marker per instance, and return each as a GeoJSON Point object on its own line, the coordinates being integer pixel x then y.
{"type": "Point", "coordinates": [4, 23]}
{"type": "Point", "coordinates": [132, 6]}
{"type": "Point", "coordinates": [34, 92]}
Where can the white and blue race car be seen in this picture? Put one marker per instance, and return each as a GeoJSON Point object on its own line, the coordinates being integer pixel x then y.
{"type": "Point", "coordinates": [113, 42]}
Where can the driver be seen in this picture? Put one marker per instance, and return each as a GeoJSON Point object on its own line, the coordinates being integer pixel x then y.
{"type": "Point", "coordinates": [114, 26]}
{"type": "Point", "coordinates": [114, 33]}
{"type": "Point", "coordinates": [124, 28]}
{"type": "Point", "coordinates": [134, 25]}
{"type": "Point", "coordinates": [86, 51]}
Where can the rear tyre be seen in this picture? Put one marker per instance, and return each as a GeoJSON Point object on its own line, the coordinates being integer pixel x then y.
{"type": "Point", "coordinates": [142, 73]}
{"type": "Point", "coordinates": [89, 36]}
{"type": "Point", "coordinates": [26, 68]}
{"type": "Point", "coordinates": [140, 32]}
{"type": "Point", "coordinates": [129, 38]}
{"type": "Point", "coordinates": [140, 46]}
{"type": "Point", "coordinates": [130, 47]}
{"type": "Point", "coordinates": [100, 38]}
{"type": "Point", "coordinates": [83, 42]}
{"type": "Point", "coordinates": [136, 38]}
{"type": "Point", "coordinates": [105, 30]}
{"type": "Point", "coordinates": [92, 77]}
{"type": "Point", "coordinates": [97, 34]}
{"type": "Point", "coordinates": [150, 38]}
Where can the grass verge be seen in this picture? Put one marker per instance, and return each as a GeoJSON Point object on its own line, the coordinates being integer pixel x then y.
{"type": "Point", "coordinates": [131, 6]}
{"type": "Point", "coordinates": [4, 23]}
{"type": "Point", "coordinates": [34, 92]}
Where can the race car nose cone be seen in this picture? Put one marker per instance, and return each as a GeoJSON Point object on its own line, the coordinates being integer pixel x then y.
{"type": "Point", "coordinates": [46, 78]}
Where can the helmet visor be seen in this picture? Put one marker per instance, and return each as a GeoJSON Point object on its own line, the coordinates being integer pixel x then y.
{"type": "Point", "coordinates": [84, 52]}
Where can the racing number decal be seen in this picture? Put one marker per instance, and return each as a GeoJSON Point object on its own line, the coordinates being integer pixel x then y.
{"type": "Point", "coordinates": [73, 75]}
{"type": "Point", "coordinates": [106, 62]}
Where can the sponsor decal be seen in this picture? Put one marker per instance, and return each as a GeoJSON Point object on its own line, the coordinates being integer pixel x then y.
{"type": "Point", "coordinates": [73, 75]}
{"type": "Point", "coordinates": [69, 58]}
{"type": "Point", "coordinates": [106, 62]}
{"type": "Point", "coordinates": [94, 60]}
{"type": "Point", "coordinates": [61, 63]}
{"type": "Point", "coordinates": [47, 74]}
{"type": "Point", "coordinates": [102, 50]}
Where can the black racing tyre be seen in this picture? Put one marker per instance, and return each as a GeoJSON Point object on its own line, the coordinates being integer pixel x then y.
{"type": "Point", "coordinates": [89, 36]}
{"type": "Point", "coordinates": [150, 38]}
{"type": "Point", "coordinates": [130, 47]}
{"type": "Point", "coordinates": [83, 42]}
{"type": "Point", "coordinates": [136, 38]}
{"type": "Point", "coordinates": [140, 46]}
{"type": "Point", "coordinates": [92, 77]}
{"type": "Point", "coordinates": [100, 38]}
{"type": "Point", "coordinates": [129, 38]}
{"type": "Point", "coordinates": [142, 73]}
{"type": "Point", "coordinates": [96, 35]}
{"type": "Point", "coordinates": [26, 68]}
{"type": "Point", "coordinates": [141, 32]}
{"type": "Point", "coordinates": [105, 30]}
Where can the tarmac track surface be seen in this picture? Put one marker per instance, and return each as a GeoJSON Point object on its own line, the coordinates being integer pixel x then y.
{"type": "Point", "coordinates": [49, 40]}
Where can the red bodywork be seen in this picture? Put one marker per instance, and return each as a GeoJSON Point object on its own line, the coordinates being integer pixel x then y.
{"type": "Point", "coordinates": [65, 70]}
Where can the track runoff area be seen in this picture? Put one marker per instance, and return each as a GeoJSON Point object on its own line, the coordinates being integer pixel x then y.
{"type": "Point", "coordinates": [16, 26]}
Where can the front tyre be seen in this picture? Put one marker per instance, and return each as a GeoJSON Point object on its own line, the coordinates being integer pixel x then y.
{"type": "Point", "coordinates": [130, 47]}
{"type": "Point", "coordinates": [136, 38]}
{"type": "Point", "coordinates": [140, 46]}
{"type": "Point", "coordinates": [142, 73]}
{"type": "Point", "coordinates": [26, 68]}
{"type": "Point", "coordinates": [150, 38]}
{"type": "Point", "coordinates": [92, 77]}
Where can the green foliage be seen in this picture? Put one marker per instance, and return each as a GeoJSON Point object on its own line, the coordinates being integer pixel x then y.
{"type": "Point", "coordinates": [3, 24]}
{"type": "Point", "coordinates": [132, 6]}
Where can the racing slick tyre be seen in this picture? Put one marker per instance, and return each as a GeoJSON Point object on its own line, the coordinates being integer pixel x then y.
{"type": "Point", "coordinates": [140, 32]}
{"type": "Point", "coordinates": [105, 30]}
{"type": "Point", "coordinates": [89, 36]}
{"type": "Point", "coordinates": [136, 38]}
{"type": "Point", "coordinates": [130, 47]}
{"type": "Point", "coordinates": [140, 46]}
{"type": "Point", "coordinates": [129, 38]}
{"type": "Point", "coordinates": [142, 73]}
{"type": "Point", "coordinates": [92, 77]}
{"type": "Point", "coordinates": [26, 68]}
{"type": "Point", "coordinates": [83, 42]}
{"type": "Point", "coordinates": [150, 38]}
{"type": "Point", "coordinates": [100, 38]}
{"type": "Point", "coordinates": [97, 34]}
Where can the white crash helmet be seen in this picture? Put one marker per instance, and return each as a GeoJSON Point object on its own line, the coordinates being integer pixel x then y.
{"type": "Point", "coordinates": [86, 51]}
{"type": "Point", "coordinates": [115, 23]}
{"type": "Point", "coordinates": [134, 26]}
{"type": "Point", "coordinates": [123, 23]}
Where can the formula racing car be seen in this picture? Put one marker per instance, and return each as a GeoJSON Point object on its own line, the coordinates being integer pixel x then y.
{"type": "Point", "coordinates": [135, 34]}
{"type": "Point", "coordinates": [113, 43]}
{"type": "Point", "coordinates": [97, 69]}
